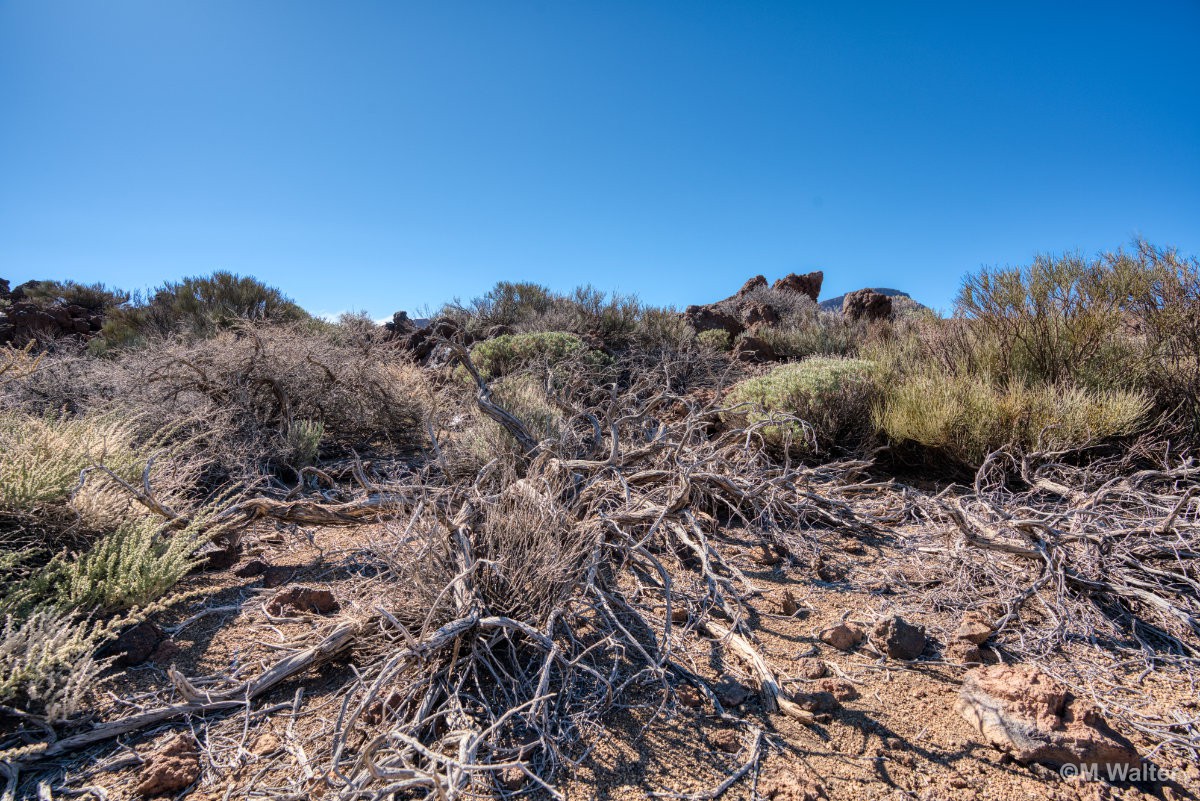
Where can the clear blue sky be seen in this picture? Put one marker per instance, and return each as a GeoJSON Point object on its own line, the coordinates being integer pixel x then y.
{"type": "Point", "coordinates": [387, 155]}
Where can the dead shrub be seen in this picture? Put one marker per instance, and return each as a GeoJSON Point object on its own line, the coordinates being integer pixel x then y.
{"type": "Point", "coordinates": [279, 394]}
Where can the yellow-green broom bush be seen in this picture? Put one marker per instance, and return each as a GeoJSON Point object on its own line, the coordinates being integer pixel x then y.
{"type": "Point", "coordinates": [75, 538]}
{"type": "Point", "coordinates": [716, 338]}
{"type": "Point", "coordinates": [819, 333]}
{"type": "Point", "coordinates": [1058, 319]}
{"type": "Point", "coordinates": [967, 416]}
{"type": "Point", "coordinates": [832, 395]}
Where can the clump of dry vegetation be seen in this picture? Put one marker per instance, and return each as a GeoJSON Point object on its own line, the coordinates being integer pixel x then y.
{"type": "Point", "coordinates": [553, 493]}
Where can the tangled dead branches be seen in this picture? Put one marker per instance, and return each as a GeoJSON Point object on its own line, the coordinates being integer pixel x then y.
{"type": "Point", "coordinates": [1094, 557]}
{"type": "Point", "coordinates": [558, 587]}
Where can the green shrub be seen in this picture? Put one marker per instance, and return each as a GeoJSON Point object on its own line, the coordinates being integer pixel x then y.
{"type": "Point", "coordinates": [1168, 314]}
{"type": "Point", "coordinates": [94, 297]}
{"type": "Point", "coordinates": [201, 306]}
{"type": "Point", "coordinates": [504, 354]}
{"type": "Point", "coordinates": [614, 320]}
{"type": "Point", "coordinates": [611, 319]}
{"type": "Point", "coordinates": [663, 330]}
{"type": "Point", "coordinates": [820, 333]}
{"type": "Point", "coordinates": [1058, 319]}
{"type": "Point", "coordinates": [304, 441]}
{"type": "Point", "coordinates": [512, 304]}
{"type": "Point", "coordinates": [832, 395]}
{"type": "Point", "coordinates": [72, 536]}
{"type": "Point", "coordinates": [134, 566]}
{"type": "Point", "coordinates": [716, 338]}
{"type": "Point", "coordinates": [967, 416]}
{"type": "Point", "coordinates": [47, 663]}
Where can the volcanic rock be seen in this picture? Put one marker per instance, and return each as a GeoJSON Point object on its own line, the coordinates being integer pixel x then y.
{"type": "Point", "coordinates": [840, 689]}
{"type": "Point", "coordinates": [1036, 719]}
{"type": "Point", "coordinates": [759, 314]}
{"type": "Point", "coordinates": [898, 638]}
{"type": "Point", "coordinates": [843, 637]}
{"type": "Point", "coordinates": [819, 702]}
{"type": "Point", "coordinates": [251, 568]}
{"type": "Point", "coordinates": [135, 644]}
{"type": "Point", "coordinates": [711, 318]}
{"type": "Point", "coordinates": [867, 304]}
{"type": "Point", "coordinates": [812, 668]}
{"type": "Point", "coordinates": [753, 349]}
{"type": "Point", "coordinates": [173, 768]}
{"type": "Point", "coordinates": [731, 692]}
{"type": "Point", "coordinates": [807, 284]}
{"type": "Point", "coordinates": [302, 599]}
{"type": "Point", "coordinates": [974, 629]}
{"type": "Point", "coordinates": [757, 282]}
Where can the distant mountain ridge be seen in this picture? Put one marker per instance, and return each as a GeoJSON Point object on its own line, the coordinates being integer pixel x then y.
{"type": "Point", "coordinates": [835, 304]}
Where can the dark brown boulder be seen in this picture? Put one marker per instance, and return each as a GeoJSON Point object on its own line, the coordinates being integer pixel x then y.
{"type": "Point", "coordinates": [400, 325]}
{"type": "Point", "coordinates": [252, 568]}
{"type": "Point", "coordinates": [499, 331]}
{"type": "Point", "coordinates": [731, 692]}
{"type": "Point", "coordinates": [302, 599]}
{"type": "Point", "coordinates": [867, 304]}
{"type": "Point", "coordinates": [843, 637]}
{"type": "Point", "coordinates": [757, 282]}
{"type": "Point", "coordinates": [711, 318]}
{"type": "Point", "coordinates": [173, 768]}
{"type": "Point", "coordinates": [277, 575]}
{"type": "Point", "coordinates": [422, 343]}
{"type": "Point", "coordinates": [220, 558]}
{"type": "Point", "coordinates": [807, 284]}
{"type": "Point", "coordinates": [25, 321]}
{"type": "Point", "coordinates": [898, 638]}
{"type": "Point", "coordinates": [759, 313]}
{"type": "Point", "coordinates": [819, 702]}
{"type": "Point", "coordinates": [974, 628]}
{"type": "Point", "coordinates": [135, 644]}
{"type": "Point", "coordinates": [812, 668]}
{"type": "Point", "coordinates": [753, 349]}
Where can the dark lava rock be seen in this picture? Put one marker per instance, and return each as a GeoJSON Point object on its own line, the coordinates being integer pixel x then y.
{"type": "Point", "coordinates": [898, 638]}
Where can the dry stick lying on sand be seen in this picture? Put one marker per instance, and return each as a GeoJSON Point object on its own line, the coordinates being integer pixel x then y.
{"type": "Point", "coordinates": [337, 641]}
